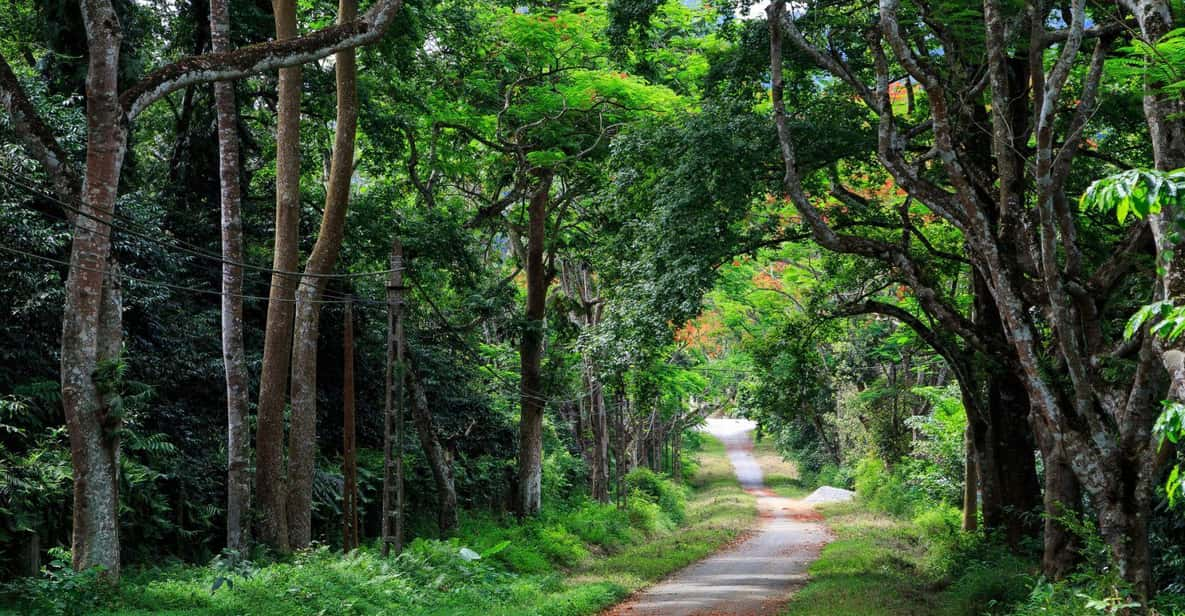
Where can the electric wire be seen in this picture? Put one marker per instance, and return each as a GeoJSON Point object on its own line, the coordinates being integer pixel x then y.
{"type": "Point", "coordinates": [194, 250]}
{"type": "Point", "coordinates": [189, 248]}
{"type": "Point", "coordinates": [179, 244]}
{"type": "Point", "coordinates": [160, 283]}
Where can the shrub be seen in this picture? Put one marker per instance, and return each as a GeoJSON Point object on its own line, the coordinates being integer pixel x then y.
{"type": "Point", "coordinates": [562, 473]}
{"type": "Point", "coordinates": [882, 489]}
{"type": "Point", "coordinates": [61, 590]}
{"type": "Point", "coordinates": [947, 546]}
{"type": "Point", "coordinates": [561, 546]}
{"type": "Point", "coordinates": [997, 580]}
{"type": "Point", "coordinates": [670, 497]}
{"type": "Point", "coordinates": [829, 475]}
{"type": "Point", "coordinates": [524, 559]}
{"type": "Point", "coordinates": [646, 516]}
{"type": "Point", "coordinates": [602, 524]}
{"type": "Point", "coordinates": [1082, 593]}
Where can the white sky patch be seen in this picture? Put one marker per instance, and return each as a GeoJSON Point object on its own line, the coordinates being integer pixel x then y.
{"type": "Point", "coordinates": [757, 10]}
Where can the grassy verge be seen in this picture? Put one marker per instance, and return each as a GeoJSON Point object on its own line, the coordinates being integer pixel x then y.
{"type": "Point", "coordinates": [781, 475]}
{"type": "Point", "coordinates": [573, 561]}
{"type": "Point", "coordinates": [881, 565]}
{"type": "Point", "coordinates": [718, 512]}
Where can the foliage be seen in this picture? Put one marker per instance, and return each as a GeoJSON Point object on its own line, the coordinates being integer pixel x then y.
{"type": "Point", "coordinates": [1157, 63]}
{"type": "Point", "coordinates": [670, 497]}
{"type": "Point", "coordinates": [1141, 192]}
{"type": "Point", "coordinates": [61, 590]}
{"type": "Point", "coordinates": [936, 462]}
{"type": "Point", "coordinates": [654, 118]}
{"type": "Point", "coordinates": [1145, 193]}
{"type": "Point", "coordinates": [493, 566]}
{"type": "Point", "coordinates": [880, 565]}
{"type": "Point", "coordinates": [883, 489]}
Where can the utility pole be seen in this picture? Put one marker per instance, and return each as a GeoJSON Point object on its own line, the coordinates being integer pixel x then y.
{"type": "Point", "coordinates": [393, 416]}
{"type": "Point", "coordinates": [350, 534]}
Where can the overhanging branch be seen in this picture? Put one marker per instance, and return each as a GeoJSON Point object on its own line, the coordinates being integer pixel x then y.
{"type": "Point", "coordinates": [259, 58]}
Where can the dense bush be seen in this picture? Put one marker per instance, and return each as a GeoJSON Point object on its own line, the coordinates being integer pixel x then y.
{"type": "Point", "coordinates": [882, 489]}
{"type": "Point", "coordinates": [935, 463]}
{"type": "Point", "coordinates": [669, 496]}
{"type": "Point", "coordinates": [827, 475]}
{"type": "Point", "coordinates": [1094, 587]}
{"type": "Point", "coordinates": [59, 589]}
{"type": "Point", "coordinates": [604, 526]}
{"type": "Point", "coordinates": [493, 563]}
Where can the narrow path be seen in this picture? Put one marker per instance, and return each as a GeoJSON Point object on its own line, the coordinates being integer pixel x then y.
{"type": "Point", "coordinates": [754, 577]}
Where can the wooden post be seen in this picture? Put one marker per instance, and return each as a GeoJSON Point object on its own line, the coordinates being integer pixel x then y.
{"type": "Point", "coordinates": [393, 416]}
{"type": "Point", "coordinates": [350, 533]}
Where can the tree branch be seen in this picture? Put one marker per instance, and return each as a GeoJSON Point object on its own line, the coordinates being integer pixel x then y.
{"type": "Point", "coordinates": [259, 58]}
{"type": "Point", "coordinates": [36, 138]}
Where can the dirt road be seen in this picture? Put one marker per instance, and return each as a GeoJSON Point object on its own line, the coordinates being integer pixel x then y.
{"type": "Point", "coordinates": [754, 577]}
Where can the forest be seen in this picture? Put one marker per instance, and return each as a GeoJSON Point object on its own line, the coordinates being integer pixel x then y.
{"type": "Point", "coordinates": [491, 307]}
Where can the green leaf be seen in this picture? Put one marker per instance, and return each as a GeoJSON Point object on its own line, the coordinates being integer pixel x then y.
{"type": "Point", "coordinates": [494, 549]}
{"type": "Point", "coordinates": [1170, 426]}
{"type": "Point", "coordinates": [1144, 314]}
{"type": "Point", "coordinates": [1175, 485]}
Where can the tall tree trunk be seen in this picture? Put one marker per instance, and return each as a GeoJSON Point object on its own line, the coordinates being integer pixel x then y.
{"type": "Point", "coordinates": [970, 484]}
{"type": "Point", "coordinates": [1001, 434]}
{"type": "Point", "coordinates": [619, 467]}
{"type": "Point", "coordinates": [32, 554]}
{"type": "Point", "coordinates": [677, 454]}
{"type": "Point", "coordinates": [580, 286]}
{"type": "Point", "coordinates": [302, 437]}
{"type": "Point", "coordinates": [657, 438]}
{"type": "Point", "coordinates": [1010, 437]}
{"type": "Point", "coordinates": [91, 319]}
{"type": "Point", "coordinates": [91, 327]}
{"type": "Point", "coordinates": [238, 483]}
{"type": "Point", "coordinates": [530, 440]}
{"type": "Point", "coordinates": [597, 453]}
{"type": "Point", "coordinates": [1063, 496]}
{"type": "Point", "coordinates": [1123, 520]}
{"type": "Point", "coordinates": [600, 437]}
{"type": "Point", "coordinates": [579, 413]}
{"type": "Point", "coordinates": [1165, 115]}
{"type": "Point", "coordinates": [437, 456]}
{"type": "Point", "coordinates": [349, 450]}
{"type": "Point", "coordinates": [277, 341]}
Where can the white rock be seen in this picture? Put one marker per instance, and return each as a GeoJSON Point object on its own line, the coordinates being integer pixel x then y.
{"type": "Point", "coordinates": [828, 494]}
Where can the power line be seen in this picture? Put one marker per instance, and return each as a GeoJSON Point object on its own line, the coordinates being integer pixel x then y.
{"type": "Point", "coordinates": [160, 283]}
{"type": "Point", "coordinates": [182, 245]}
{"type": "Point", "coordinates": [199, 252]}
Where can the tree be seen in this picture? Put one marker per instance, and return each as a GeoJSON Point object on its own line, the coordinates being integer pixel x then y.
{"type": "Point", "coordinates": [550, 111]}
{"type": "Point", "coordinates": [579, 284]}
{"type": "Point", "coordinates": [438, 458]}
{"type": "Point", "coordinates": [530, 440]}
{"type": "Point", "coordinates": [302, 437]}
{"type": "Point", "coordinates": [1010, 205]}
{"type": "Point", "coordinates": [238, 486]}
{"type": "Point", "coordinates": [91, 327]}
{"type": "Point", "coordinates": [270, 483]}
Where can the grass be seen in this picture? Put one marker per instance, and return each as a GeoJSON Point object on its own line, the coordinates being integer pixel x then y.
{"type": "Point", "coordinates": [881, 565]}
{"type": "Point", "coordinates": [717, 513]}
{"type": "Point", "coordinates": [570, 562]}
{"type": "Point", "coordinates": [781, 475]}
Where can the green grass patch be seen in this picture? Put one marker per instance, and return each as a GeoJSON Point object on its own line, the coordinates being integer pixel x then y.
{"type": "Point", "coordinates": [573, 560]}
{"type": "Point", "coordinates": [781, 475]}
{"type": "Point", "coordinates": [881, 565]}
